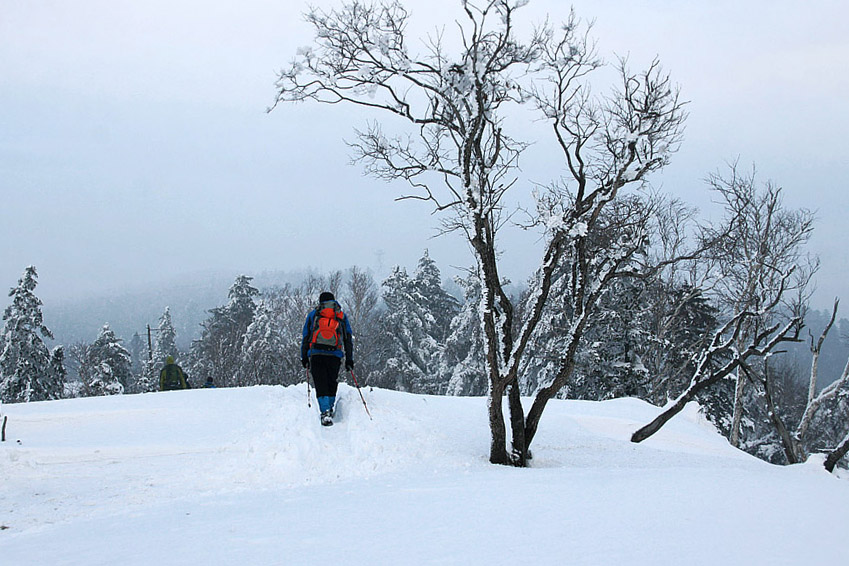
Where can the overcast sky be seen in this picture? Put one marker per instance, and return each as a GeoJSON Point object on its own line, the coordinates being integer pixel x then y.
{"type": "Point", "coordinates": [135, 147]}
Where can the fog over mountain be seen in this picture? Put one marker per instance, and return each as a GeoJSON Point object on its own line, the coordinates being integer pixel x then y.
{"type": "Point", "coordinates": [189, 299]}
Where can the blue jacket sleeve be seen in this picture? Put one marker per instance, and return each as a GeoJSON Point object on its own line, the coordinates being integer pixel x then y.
{"type": "Point", "coordinates": [348, 340]}
{"type": "Point", "coordinates": [305, 341]}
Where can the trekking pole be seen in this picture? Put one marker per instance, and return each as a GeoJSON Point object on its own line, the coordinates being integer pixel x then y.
{"type": "Point", "coordinates": [361, 394]}
{"type": "Point", "coordinates": [309, 403]}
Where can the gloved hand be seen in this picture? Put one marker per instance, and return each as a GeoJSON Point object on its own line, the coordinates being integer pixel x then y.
{"type": "Point", "coordinates": [305, 362]}
{"type": "Point", "coordinates": [349, 365]}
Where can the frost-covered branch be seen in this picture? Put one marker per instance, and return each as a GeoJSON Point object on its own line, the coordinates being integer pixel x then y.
{"type": "Point", "coordinates": [815, 401]}
{"type": "Point", "coordinates": [725, 346]}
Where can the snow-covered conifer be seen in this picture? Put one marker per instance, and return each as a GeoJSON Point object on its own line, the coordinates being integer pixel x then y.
{"type": "Point", "coordinates": [441, 305]}
{"type": "Point", "coordinates": [58, 372]}
{"type": "Point", "coordinates": [218, 352]}
{"type": "Point", "coordinates": [462, 358]}
{"type": "Point", "coordinates": [166, 339]}
{"type": "Point", "coordinates": [417, 322]}
{"type": "Point", "coordinates": [138, 353]}
{"type": "Point", "coordinates": [107, 365]}
{"type": "Point", "coordinates": [263, 351]}
{"type": "Point", "coordinates": [405, 335]}
{"type": "Point", "coordinates": [28, 371]}
{"type": "Point", "coordinates": [148, 377]}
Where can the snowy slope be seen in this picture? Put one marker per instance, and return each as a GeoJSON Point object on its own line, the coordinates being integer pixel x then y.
{"type": "Point", "coordinates": [248, 477]}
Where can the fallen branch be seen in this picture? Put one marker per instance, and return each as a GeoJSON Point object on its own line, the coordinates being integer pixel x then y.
{"type": "Point", "coordinates": [839, 452]}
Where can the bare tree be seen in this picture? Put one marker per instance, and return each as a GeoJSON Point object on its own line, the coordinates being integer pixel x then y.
{"type": "Point", "coordinates": [759, 275]}
{"type": "Point", "coordinates": [764, 244]}
{"type": "Point", "coordinates": [459, 157]}
{"type": "Point", "coordinates": [797, 443]}
{"type": "Point", "coordinates": [361, 299]}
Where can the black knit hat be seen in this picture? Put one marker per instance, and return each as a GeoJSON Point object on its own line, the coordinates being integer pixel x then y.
{"type": "Point", "coordinates": [326, 296]}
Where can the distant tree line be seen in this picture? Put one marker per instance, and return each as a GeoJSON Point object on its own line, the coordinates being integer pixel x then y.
{"type": "Point", "coordinates": [412, 334]}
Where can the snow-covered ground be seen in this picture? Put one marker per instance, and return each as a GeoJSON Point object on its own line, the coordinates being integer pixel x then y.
{"type": "Point", "coordinates": [248, 477]}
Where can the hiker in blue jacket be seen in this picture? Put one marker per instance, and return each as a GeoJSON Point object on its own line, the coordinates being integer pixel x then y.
{"type": "Point", "coordinates": [326, 332]}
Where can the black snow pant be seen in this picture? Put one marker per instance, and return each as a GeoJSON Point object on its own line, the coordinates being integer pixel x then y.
{"type": "Point", "coordinates": [325, 372]}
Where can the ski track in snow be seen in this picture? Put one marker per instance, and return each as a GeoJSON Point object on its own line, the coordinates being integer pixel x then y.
{"type": "Point", "coordinates": [248, 476]}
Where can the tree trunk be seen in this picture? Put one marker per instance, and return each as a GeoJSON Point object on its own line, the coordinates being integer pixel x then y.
{"type": "Point", "coordinates": [791, 448]}
{"type": "Point", "coordinates": [837, 454]}
{"type": "Point", "coordinates": [517, 424]}
{"type": "Point", "coordinates": [534, 415]}
{"type": "Point", "coordinates": [498, 432]}
{"type": "Point", "coordinates": [482, 243]}
{"type": "Point", "coordinates": [664, 417]}
{"type": "Point", "coordinates": [737, 415]}
{"type": "Point", "coordinates": [547, 393]}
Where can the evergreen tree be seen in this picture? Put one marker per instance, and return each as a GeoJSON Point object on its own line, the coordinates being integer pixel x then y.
{"type": "Point", "coordinates": [289, 305]}
{"type": "Point", "coordinates": [166, 339]}
{"type": "Point", "coordinates": [416, 325]}
{"type": "Point", "coordinates": [263, 351]}
{"type": "Point", "coordinates": [148, 378]}
{"type": "Point", "coordinates": [611, 359]}
{"type": "Point", "coordinates": [138, 353]}
{"type": "Point", "coordinates": [58, 372]}
{"type": "Point", "coordinates": [28, 370]}
{"type": "Point", "coordinates": [403, 365]}
{"type": "Point", "coordinates": [107, 366]}
{"type": "Point", "coordinates": [462, 358]}
{"type": "Point", "coordinates": [218, 352]}
{"type": "Point", "coordinates": [441, 306]}
{"type": "Point", "coordinates": [145, 369]}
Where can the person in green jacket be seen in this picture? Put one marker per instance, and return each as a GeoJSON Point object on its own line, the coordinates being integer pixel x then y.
{"type": "Point", "coordinates": [172, 376]}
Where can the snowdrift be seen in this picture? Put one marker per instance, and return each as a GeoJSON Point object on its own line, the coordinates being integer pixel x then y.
{"type": "Point", "coordinates": [248, 476]}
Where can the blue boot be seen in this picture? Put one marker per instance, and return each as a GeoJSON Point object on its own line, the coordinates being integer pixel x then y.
{"type": "Point", "coordinates": [326, 404]}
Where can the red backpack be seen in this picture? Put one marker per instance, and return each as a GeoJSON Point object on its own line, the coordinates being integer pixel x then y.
{"type": "Point", "coordinates": [327, 327]}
